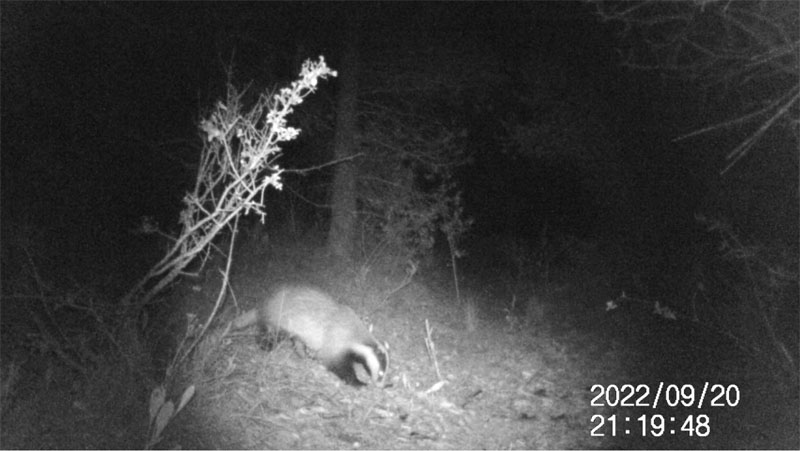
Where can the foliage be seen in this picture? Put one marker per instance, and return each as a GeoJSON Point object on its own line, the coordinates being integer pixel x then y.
{"type": "Point", "coordinates": [237, 164]}
{"type": "Point", "coordinates": [663, 311]}
{"type": "Point", "coordinates": [538, 265]}
{"type": "Point", "coordinates": [554, 118]}
{"type": "Point", "coordinates": [750, 294]}
{"type": "Point", "coordinates": [750, 49]}
{"type": "Point", "coordinates": [71, 324]}
{"type": "Point", "coordinates": [555, 121]}
{"type": "Point", "coordinates": [162, 411]}
{"type": "Point", "coordinates": [409, 146]}
{"type": "Point", "coordinates": [405, 183]}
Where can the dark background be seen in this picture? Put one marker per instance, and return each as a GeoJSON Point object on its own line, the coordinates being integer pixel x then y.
{"type": "Point", "coordinates": [100, 101]}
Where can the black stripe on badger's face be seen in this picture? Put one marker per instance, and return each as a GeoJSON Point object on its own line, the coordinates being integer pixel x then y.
{"type": "Point", "coordinates": [344, 368]}
{"type": "Point", "coordinates": [367, 356]}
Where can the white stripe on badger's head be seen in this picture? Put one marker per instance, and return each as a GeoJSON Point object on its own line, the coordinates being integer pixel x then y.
{"type": "Point", "coordinates": [376, 359]}
{"type": "Point", "coordinates": [382, 351]}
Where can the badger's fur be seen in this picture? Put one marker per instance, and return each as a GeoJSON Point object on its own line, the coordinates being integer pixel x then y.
{"type": "Point", "coordinates": [332, 332]}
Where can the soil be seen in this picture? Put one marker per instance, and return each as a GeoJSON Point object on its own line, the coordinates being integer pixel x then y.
{"type": "Point", "coordinates": [546, 381]}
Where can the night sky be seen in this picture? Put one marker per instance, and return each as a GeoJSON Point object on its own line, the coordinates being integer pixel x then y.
{"type": "Point", "coordinates": [100, 103]}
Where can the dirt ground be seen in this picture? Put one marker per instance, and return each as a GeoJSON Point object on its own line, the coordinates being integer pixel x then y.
{"type": "Point", "coordinates": [533, 384]}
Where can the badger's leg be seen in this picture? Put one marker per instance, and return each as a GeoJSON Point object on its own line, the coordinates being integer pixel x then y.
{"type": "Point", "coordinates": [270, 338]}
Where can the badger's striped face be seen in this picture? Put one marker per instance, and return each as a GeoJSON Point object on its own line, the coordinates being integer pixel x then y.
{"type": "Point", "coordinates": [375, 359]}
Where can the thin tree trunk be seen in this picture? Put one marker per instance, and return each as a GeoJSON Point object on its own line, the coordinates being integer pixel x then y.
{"type": "Point", "coordinates": [343, 198]}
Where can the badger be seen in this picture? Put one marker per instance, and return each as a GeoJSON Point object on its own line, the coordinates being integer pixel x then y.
{"type": "Point", "coordinates": [332, 332]}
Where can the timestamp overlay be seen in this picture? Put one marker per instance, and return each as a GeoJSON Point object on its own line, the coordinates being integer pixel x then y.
{"type": "Point", "coordinates": [662, 410]}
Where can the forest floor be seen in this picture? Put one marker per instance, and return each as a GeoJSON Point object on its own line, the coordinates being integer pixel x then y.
{"type": "Point", "coordinates": [546, 381]}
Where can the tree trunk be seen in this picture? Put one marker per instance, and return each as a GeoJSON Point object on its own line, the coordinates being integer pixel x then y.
{"type": "Point", "coordinates": [343, 198]}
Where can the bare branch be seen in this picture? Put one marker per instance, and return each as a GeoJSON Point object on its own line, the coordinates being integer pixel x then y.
{"type": "Point", "coordinates": [236, 167]}
{"type": "Point", "coordinates": [323, 165]}
{"type": "Point", "coordinates": [749, 46]}
{"type": "Point", "coordinates": [742, 149]}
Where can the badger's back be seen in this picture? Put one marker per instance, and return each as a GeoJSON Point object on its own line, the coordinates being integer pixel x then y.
{"type": "Point", "coordinates": [303, 312]}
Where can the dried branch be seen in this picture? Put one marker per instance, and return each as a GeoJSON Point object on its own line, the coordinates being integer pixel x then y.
{"type": "Point", "coordinates": [747, 46]}
{"type": "Point", "coordinates": [237, 165]}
